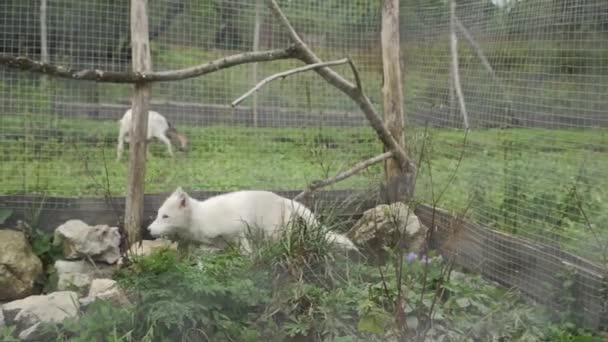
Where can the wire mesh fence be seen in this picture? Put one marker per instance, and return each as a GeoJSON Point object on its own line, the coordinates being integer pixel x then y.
{"type": "Point", "coordinates": [533, 77]}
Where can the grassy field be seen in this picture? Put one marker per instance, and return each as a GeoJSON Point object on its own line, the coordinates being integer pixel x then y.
{"type": "Point", "coordinates": [527, 181]}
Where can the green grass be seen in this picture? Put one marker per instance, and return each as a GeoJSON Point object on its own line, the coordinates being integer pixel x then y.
{"type": "Point", "coordinates": [532, 182]}
{"type": "Point", "coordinates": [221, 157]}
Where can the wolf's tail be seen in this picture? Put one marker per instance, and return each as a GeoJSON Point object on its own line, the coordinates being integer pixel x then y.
{"type": "Point", "coordinates": [340, 240]}
{"type": "Point", "coordinates": [333, 238]}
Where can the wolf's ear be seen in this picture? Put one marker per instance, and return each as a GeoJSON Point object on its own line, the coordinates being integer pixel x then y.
{"type": "Point", "coordinates": [182, 197]}
{"type": "Point", "coordinates": [183, 202]}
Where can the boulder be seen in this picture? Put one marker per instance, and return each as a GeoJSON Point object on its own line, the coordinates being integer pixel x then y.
{"type": "Point", "coordinates": [27, 314]}
{"type": "Point", "coordinates": [106, 289]}
{"type": "Point", "coordinates": [19, 266]}
{"type": "Point", "coordinates": [381, 226]}
{"type": "Point", "coordinates": [78, 275]}
{"type": "Point", "coordinates": [79, 240]}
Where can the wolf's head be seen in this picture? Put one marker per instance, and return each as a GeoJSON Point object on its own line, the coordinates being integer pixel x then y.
{"type": "Point", "coordinates": [183, 141]}
{"type": "Point", "coordinates": [173, 216]}
{"type": "Point", "coordinates": [177, 138]}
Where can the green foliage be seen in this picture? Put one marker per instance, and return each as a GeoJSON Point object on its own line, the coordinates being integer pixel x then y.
{"type": "Point", "coordinates": [7, 334]}
{"type": "Point", "coordinates": [223, 296]}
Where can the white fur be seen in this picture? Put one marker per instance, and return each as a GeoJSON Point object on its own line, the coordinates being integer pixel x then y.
{"type": "Point", "coordinates": [230, 217]}
{"type": "Point", "coordinates": [157, 128]}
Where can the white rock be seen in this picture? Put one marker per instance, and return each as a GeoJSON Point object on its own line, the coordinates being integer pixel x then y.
{"type": "Point", "coordinates": [78, 275]}
{"type": "Point", "coordinates": [52, 308]}
{"type": "Point", "coordinates": [19, 266]}
{"type": "Point", "coordinates": [78, 240]}
{"type": "Point", "coordinates": [2, 323]}
{"type": "Point", "coordinates": [380, 226]}
{"type": "Point", "coordinates": [148, 247]}
{"type": "Point", "coordinates": [106, 289]}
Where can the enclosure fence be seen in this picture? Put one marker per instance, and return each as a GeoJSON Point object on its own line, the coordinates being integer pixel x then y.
{"type": "Point", "coordinates": [530, 82]}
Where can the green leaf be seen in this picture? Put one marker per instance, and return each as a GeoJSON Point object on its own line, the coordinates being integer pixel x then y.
{"type": "Point", "coordinates": [374, 321]}
{"type": "Point", "coordinates": [5, 213]}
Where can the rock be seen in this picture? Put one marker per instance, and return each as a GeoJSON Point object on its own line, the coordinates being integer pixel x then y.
{"type": "Point", "coordinates": [148, 247]}
{"type": "Point", "coordinates": [78, 275]}
{"type": "Point", "coordinates": [19, 266]}
{"type": "Point", "coordinates": [78, 240]}
{"type": "Point", "coordinates": [26, 314]}
{"type": "Point", "coordinates": [380, 227]}
{"type": "Point", "coordinates": [106, 289]}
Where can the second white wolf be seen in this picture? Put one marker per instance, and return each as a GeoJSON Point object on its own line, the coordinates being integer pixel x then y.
{"type": "Point", "coordinates": [158, 127]}
{"type": "Point", "coordinates": [232, 216]}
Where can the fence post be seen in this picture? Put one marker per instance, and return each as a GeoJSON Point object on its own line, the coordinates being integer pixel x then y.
{"type": "Point", "coordinates": [399, 186]}
{"type": "Point", "coordinates": [140, 47]}
{"type": "Point", "coordinates": [254, 66]}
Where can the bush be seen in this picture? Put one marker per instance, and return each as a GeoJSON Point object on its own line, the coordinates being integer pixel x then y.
{"type": "Point", "coordinates": [297, 289]}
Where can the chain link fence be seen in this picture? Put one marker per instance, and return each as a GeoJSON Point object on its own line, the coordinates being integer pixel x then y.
{"type": "Point", "coordinates": [532, 82]}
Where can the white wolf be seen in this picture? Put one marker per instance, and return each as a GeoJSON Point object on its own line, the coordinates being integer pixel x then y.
{"type": "Point", "coordinates": [231, 216]}
{"type": "Point", "coordinates": [158, 127]}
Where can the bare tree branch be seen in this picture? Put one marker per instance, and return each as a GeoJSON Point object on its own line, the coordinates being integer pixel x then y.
{"type": "Point", "coordinates": [455, 71]}
{"type": "Point", "coordinates": [285, 74]}
{"type": "Point", "coordinates": [355, 93]}
{"type": "Point", "coordinates": [484, 61]}
{"type": "Point", "coordinates": [27, 64]}
{"type": "Point", "coordinates": [315, 185]}
{"type": "Point", "coordinates": [353, 67]}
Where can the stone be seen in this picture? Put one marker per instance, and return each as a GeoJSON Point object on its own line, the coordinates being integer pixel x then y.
{"type": "Point", "coordinates": [19, 266]}
{"type": "Point", "coordinates": [106, 289]}
{"type": "Point", "coordinates": [381, 226]}
{"type": "Point", "coordinates": [27, 313]}
{"type": "Point", "coordinates": [78, 275]}
{"type": "Point", "coordinates": [148, 247]}
{"type": "Point", "coordinates": [79, 240]}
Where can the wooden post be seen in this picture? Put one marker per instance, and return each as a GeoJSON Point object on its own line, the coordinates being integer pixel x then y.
{"type": "Point", "coordinates": [142, 62]}
{"type": "Point", "coordinates": [254, 67]}
{"type": "Point", "coordinates": [44, 50]}
{"type": "Point", "coordinates": [44, 53]}
{"type": "Point", "coordinates": [399, 184]}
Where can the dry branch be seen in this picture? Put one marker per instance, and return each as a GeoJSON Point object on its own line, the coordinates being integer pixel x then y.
{"type": "Point", "coordinates": [306, 55]}
{"type": "Point", "coordinates": [482, 57]}
{"type": "Point", "coordinates": [27, 64]}
{"type": "Point", "coordinates": [455, 71]}
{"type": "Point", "coordinates": [285, 74]}
{"type": "Point", "coordinates": [316, 185]}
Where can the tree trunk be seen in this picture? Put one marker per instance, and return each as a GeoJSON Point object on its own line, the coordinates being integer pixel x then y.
{"type": "Point", "coordinates": [399, 183]}
{"type": "Point", "coordinates": [140, 46]}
